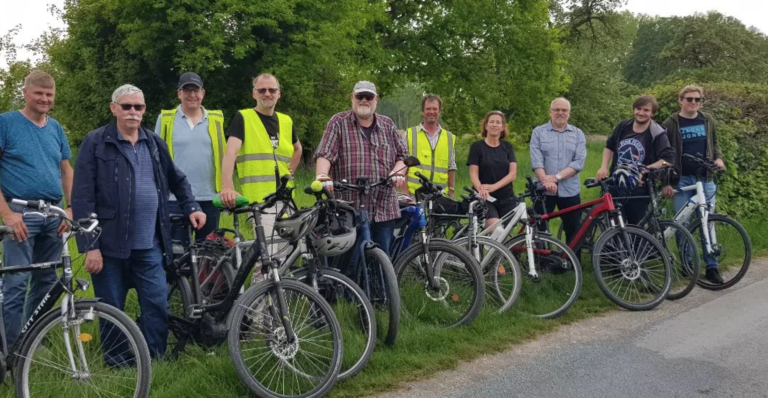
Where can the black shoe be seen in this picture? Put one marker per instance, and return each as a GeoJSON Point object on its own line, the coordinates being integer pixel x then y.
{"type": "Point", "coordinates": [713, 275]}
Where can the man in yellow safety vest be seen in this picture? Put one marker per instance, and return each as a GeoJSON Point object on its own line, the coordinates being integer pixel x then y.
{"type": "Point", "coordinates": [195, 139]}
{"type": "Point", "coordinates": [433, 146]}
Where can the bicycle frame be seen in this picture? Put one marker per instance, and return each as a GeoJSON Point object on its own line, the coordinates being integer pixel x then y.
{"type": "Point", "coordinates": [697, 202]}
{"type": "Point", "coordinates": [600, 206]}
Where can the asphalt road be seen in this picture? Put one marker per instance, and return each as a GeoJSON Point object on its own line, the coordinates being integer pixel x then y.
{"type": "Point", "coordinates": [710, 344]}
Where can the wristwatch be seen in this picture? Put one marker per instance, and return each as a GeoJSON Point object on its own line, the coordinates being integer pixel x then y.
{"type": "Point", "coordinates": [559, 177]}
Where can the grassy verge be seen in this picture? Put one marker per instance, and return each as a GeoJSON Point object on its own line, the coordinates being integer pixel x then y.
{"type": "Point", "coordinates": [421, 351]}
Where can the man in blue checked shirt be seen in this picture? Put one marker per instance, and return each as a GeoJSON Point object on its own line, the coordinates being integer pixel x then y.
{"type": "Point", "coordinates": [558, 152]}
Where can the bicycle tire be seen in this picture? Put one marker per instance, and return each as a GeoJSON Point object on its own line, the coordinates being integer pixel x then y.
{"type": "Point", "coordinates": [417, 302]}
{"type": "Point", "coordinates": [558, 274]}
{"type": "Point", "coordinates": [36, 343]}
{"type": "Point", "coordinates": [678, 245]}
{"type": "Point", "coordinates": [179, 304]}
{"type": "Point", "coordinates": [257, 298]}
{"type": "Point", "coordinates": [642, 282]}
{"type": "Point", "coordinates": [501, 270]}
{"type": "Point", "coordinates": [365, 316]}
{"type": "Point", "coordinates": [387, 297]}
{"type": "Point", "coordinates": [732, 276]}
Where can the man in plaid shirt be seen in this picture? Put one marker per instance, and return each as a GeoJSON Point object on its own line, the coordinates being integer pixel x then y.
{"type": "Point", "coordinates": [361, 143]}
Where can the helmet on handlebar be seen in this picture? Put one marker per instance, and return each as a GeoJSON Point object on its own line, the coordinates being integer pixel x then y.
{"type": "Point", "coordinates": [626, 176]}
{"type": "Point", "coordinates": [337, 231]}
{"type": "Point", "coordinates": [297, 225]}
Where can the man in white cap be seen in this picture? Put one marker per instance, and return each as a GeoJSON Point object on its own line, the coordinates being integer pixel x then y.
{"type": "Point", "coordinates": [361, 143]}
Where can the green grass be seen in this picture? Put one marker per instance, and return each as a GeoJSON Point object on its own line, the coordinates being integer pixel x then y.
{"type": "Point", "coordinates": [421, 350]}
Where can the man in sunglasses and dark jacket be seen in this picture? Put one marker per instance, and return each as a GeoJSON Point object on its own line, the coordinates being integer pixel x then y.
{"type": "Point", "coordinates": [693, 132]}
{"type": "Point", "coordinates": [124, 174]}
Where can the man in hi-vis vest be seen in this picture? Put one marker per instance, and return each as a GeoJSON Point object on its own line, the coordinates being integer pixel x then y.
{"type": "Point", "coordinates": [265, 146]}
{"type": "Point", "coordinates": [195, 139]}
{"type": "Point", "coordinates": [434, 146]}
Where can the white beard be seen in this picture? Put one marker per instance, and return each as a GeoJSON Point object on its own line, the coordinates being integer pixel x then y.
{"type": "Point", "coordinates": [364, 112]}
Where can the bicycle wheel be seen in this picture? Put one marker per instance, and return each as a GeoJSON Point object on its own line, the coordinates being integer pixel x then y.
{"type": "Point", "coordinates": [264, 357]}
{"type": "Point", "coordinates": [384, 293]}
{"type": "Point", "coordinates": [214, 273]}
{"type": "Point", "coordinates": [632, 268]}
{"type": "Point", "coordinates": [354, 312]}
{"type": "Point", "coordinates": [559, 279]}
{"type": "Point", "coordinates": [457, 299]}
{"type": "Point", "coordinates": [108, 351]}
{"type": "Point", "coordinates": [501, 271]}
{"type": "Point", "coordinates": [683, 256]}
{"type": "Point", "coordinates": [731, 250]}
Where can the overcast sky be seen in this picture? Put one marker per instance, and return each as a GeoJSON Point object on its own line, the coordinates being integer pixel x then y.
{"type": "Point", "coordinates": [35, 18]}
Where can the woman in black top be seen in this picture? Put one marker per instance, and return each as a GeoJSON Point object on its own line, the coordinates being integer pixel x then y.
{"type": "Point", "coordinates": [493, 168]}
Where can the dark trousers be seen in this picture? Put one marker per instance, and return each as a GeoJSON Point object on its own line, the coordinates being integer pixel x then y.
{"type": "Point", "coordinates": [179, 233]}
{"type": "Point", "coordinates": [571, 221]}
{"type": "Point", "coordinates": [632, 210]}
{"type": "Point", "coordinates": [142, 270]}
{"type": "Point", "coordinates": [381, 233]}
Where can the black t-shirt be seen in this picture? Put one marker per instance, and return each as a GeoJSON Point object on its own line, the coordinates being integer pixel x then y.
{"type": "Point", "coordinates": [367, 131]}
{"type": "Point", "coordinates": [271, 123]}
{"type": "Point", "coordinates": [638, 148]}
{"type": "Point", "coordinates": [694, 134]}
{"type": "Point", "coordinates": [494, 165]}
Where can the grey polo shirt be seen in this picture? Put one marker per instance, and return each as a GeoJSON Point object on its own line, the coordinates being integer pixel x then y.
{"type": "Point", "coordinates": [555, 150]}
{"type": "Point", "coordinates": [193, 154]}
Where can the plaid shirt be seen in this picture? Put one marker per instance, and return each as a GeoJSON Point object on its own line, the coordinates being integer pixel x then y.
{"type": "Point", "coordinates": [353, 156]}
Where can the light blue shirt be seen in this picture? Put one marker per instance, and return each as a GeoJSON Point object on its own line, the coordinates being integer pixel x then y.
{"type": "Point", "coordinates": [193, 154]}
{"type": "Point", "coordinates": [555, 150]}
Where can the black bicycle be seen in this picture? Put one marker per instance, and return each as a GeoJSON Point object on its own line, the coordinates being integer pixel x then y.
{"type": "Point", "coordinates": [83, 348]}
{"type": "Point", "coordinates": [283, 337]}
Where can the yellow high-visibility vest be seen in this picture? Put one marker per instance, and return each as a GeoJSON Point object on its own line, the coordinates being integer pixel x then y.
{"type": "Point", "coordinates": [259, 162]}
{"type": "Point", "coordinates": [434, 162]}
{"type": "Point", "coordinates": [215, 131]}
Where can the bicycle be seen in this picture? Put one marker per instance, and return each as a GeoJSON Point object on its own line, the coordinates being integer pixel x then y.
{"type": "Point", "coordinates": [732, 261]}
{"type": "Point", "coordinates": [632, 268]}
{"type": "Point", "coordinates": [497, 264]}
{"type": "Point", "coordinates": [554, 275]}
{"type": "Point", "coordinates": [440, 282]}
{"type": "Point", "coordinates": [283, 337]}
{"type": "Point", "coordinates": [70, 343]}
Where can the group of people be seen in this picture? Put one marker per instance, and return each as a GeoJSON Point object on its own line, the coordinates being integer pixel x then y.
{"type": "Point", "coordinates": [134, 178]}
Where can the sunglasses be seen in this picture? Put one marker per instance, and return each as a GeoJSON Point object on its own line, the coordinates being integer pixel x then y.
{"type": "Point", "coordinates": [365, 96]}
{"type": "Point", "coordinates": [264, 90]}
{"type": "Point", "coordinates": [127, 107]}
{"type": "Point", "coordinates": [693, 99]}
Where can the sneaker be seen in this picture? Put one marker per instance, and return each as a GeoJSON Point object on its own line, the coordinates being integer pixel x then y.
{"type": "Point", "coordinates": [713, 275]}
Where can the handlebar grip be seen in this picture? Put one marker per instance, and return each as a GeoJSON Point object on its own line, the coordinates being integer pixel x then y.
{"type": "Point", "coordinates": [591, 183]}
{"type": "Point", "coordinates": [32, 204]}
{"type": "Point", "coordinates": [5, 230]}
{"type": "Point", "coordinates": [470, 190]}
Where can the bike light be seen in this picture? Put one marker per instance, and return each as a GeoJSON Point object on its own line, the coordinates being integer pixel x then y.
{"type": "Point", "coordinates": [85, 337]}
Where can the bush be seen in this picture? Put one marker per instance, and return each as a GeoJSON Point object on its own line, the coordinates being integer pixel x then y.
{"type": "Point", "coordinates": [741, 118]}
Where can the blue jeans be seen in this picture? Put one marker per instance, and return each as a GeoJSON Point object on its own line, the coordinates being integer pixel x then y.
{"type": "Point", "coordinates": [381, 233]}
{"type": "Point", "coordinates": [142, 270]}
{"type": "Point", "coordinates": [681, 198]}
{"type": "Point", "coordinates": [23, 291]}
{"type": "Point", "coordinates": [212, 214]}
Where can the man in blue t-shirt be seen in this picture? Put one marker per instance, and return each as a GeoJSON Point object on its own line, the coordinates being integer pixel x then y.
{"type": "Point", "coordinates": [693, 132]}
{"type": "Point", "coordinates": [34, 165]}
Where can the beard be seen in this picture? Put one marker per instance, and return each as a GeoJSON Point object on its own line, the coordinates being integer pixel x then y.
{"type": "Point", "coordinates": [268, 104]}
{"type": "Point", "coordinates": [364, 111]}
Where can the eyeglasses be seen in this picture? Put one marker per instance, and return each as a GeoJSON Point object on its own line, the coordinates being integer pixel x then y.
{"type": "Point", "coordinates": [693, 99]}
{"type": "Point", "coordinates": [559, 109]}
{"type": "Point", "coordinates": [127, 107]}
{"type": "Point", "coordinates": [264, 90]}
{"type": "Point", "coordinates": [365, 96]}
{"type": "Point", "coordinates": [191, 90]}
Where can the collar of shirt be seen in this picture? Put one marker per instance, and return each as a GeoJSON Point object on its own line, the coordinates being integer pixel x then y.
{"type": "Point", "coordinates": [188, 120]}
{"type": "Point", "coordinates": [421, 128]}
{"type": "Point", "coordinates": [353, 117]}
{"type": "Point", "coordinates": [568, 127]}
{"type": "Point", "coordinates": [142, 135]}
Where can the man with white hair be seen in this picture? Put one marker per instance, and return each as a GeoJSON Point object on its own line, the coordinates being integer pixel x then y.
{"type": "Point", "coordinates": [362, 143]}
{"type": "Point", "coordinates": [558, 152]}
{"type": "Point", "coordinates": [34, 165]}
{"type": "Point", "coordinates": [124, 174]}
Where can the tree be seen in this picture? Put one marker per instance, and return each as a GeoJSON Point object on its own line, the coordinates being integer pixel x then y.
{"type": "Point", "coordinates": [317, 49]}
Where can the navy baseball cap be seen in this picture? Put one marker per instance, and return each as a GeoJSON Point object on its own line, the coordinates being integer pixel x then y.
{"type": "Point", "coordinates": [190, 78]}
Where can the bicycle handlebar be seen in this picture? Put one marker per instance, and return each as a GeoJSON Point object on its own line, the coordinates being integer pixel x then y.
{"type": "Point", "coordinates": [705, 163]}
{"type": "Point", "coordinates": [39, 205]}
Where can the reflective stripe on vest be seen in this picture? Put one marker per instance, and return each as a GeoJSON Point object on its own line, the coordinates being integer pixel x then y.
{"type": "Point", "coordinates": [215, 131]}
{"type": "Point", "coordinates": [258, 162]}
{"type": "Point", "coordinates": [434, 162]}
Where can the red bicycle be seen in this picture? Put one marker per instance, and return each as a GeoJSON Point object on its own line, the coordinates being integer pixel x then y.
{"type": "Point", "coordinates": [631, 266]}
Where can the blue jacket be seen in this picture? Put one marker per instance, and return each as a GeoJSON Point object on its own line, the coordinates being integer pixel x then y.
{"type": "Point", "coordinates": [104, 184]}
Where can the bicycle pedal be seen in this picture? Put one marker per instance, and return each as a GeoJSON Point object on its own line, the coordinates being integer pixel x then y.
{"type": "Point", "coordinates": [195, 312]}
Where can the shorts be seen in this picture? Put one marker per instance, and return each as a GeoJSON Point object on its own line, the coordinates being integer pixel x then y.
{"type": "Point", "coordinates": [500, 208]}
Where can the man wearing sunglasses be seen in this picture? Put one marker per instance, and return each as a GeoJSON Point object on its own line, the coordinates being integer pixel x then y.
{"type": "Point", "coordinates": [195, 139]}
{"type": "Point", "coordinates": [693, 132]}
{"type": "Point", "coordinates": [362, 143]}
{"type": "Point", "coordinates": [125, 174]}
{"type": "Point", "coordinates": [34, 165]}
